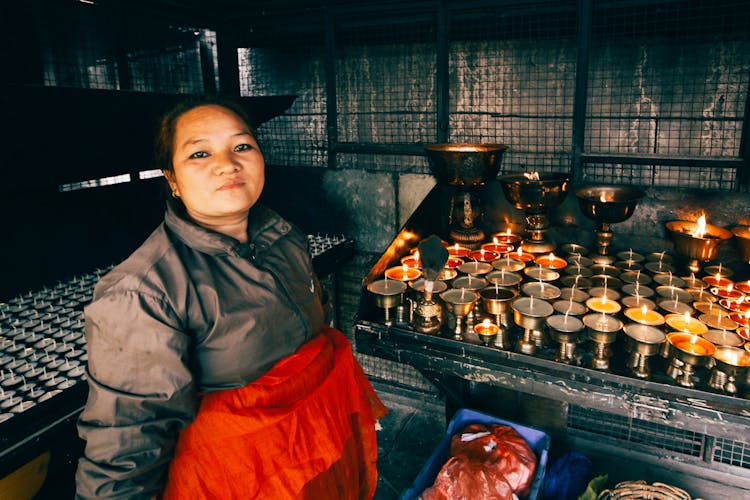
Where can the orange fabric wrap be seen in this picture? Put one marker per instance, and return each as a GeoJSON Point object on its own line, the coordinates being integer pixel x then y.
{"type": "Point", "coordinates": [305, 429]}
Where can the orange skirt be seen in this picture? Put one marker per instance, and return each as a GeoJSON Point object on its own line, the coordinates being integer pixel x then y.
{"type": "Point", "coordinates": [305, 429]}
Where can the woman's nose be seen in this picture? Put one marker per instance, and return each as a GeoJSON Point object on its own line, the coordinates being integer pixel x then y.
{"type": "Point", "coordinates": [226, 164]}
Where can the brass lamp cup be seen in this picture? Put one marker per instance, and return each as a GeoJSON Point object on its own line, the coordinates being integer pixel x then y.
{"type": "Point", "coordinates": [465, 167]}
{"type": "Point", "coordinates": [463, 164]}
{"type": "Point", "coordinates": [460, 303]}
{"type": "Point", "coordinates": [602, 331]}
{"type": "Point", "coordinates": [607, 205]}
{"type": "Point", "coordinates": [387, 294]}
{"type": "Point", "coordinates": [642, 341]}
{"type": "Point", "coordinates": [730, 363]}
{"type": "Point", "coordinates": [532, 321]}
{"type": "Point", "coordinates": [677, 338]}
{"type": "Point", "coordinates": [694, 248]}
{"type": "Point", "coordinates": [535, 196]}
{"type": "Point", "coordinates": [496, 301]}
{"type": "Point", "coordinates": [743, 238]}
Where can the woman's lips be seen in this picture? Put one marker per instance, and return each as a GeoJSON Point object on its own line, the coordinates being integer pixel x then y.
{"type": "Point", "coordinates": [231, 185]}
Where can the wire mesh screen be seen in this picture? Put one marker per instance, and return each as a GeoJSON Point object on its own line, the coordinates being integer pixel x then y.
{"type": "Point", "coordinates": [660, 175]}
{"type": "Point", "coordinates": [730, 452]}
{"type": "Point", "coordinates": [385, 87]}
{"type": "Point", "coordinates": [512, 81]}
{"type": "Point", "coordinates": [88, 46]}
{"type": "Point", "coordinates": [642, 432]}
{"type": "Point", "coordinates": [668, 79]}
{"type": "Point", "coordinates": [290, 65]}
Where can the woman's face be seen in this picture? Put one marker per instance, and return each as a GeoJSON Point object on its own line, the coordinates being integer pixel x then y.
{"type": "Point", "coordinates": [218, 166]}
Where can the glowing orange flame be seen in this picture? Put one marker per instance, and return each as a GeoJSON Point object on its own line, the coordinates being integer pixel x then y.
{"type": "Point", "coordinates": [532, 176]}
{"type": "Point", "coordinates": [700, 231]}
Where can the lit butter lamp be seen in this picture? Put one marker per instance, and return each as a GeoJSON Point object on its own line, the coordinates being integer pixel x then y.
{"type": "Point", "coordinates": [551, 261]}
{"type": "Point", "coordinates": [644, 316]}
{"type": "Point", "coordinates": [496, 301]}
{"type": "Point", "coordinates": [730, 363]}
{"type": "Point", "coordinates": [402, 273]}
{"type": "Point", "coordinates": [486, 331]}
{"type": "Point", "coordinates": [685, 323]}
{"type": "Point", "coordinates": [697, 241]}
{"type": "Point", "coordinates": [498, 246]}
{"type": "Point", "coordinates": [688, 352]}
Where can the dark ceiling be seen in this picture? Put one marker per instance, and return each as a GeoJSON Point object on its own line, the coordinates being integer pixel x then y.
{"type": "Point", "coordinates": [215, 13]}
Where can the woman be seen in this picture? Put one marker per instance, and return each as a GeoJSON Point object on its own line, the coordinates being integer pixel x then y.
{"type": "Point", "coordinates": [211, 372]}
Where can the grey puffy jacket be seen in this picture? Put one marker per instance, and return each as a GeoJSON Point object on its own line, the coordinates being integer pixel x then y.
{"type": "Point", "coordinates": [190, 311]}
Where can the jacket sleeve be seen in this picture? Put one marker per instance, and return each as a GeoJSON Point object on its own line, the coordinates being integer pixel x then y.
{"type": "Point", "coordinates": [141, 395]}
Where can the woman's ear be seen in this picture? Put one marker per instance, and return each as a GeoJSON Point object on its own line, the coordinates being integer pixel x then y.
{"type": "Point", "coordinates": [169, 176]}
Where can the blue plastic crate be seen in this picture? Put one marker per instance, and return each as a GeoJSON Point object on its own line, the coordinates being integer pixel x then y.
{"type": "Point", "coordinates": [538, 441]}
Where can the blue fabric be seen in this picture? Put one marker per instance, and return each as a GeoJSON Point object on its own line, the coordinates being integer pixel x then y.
{"type": "Point", "coordinates": [568, 477]}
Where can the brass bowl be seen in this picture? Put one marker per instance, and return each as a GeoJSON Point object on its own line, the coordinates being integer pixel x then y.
{"type": "Point", "coordinates": [608, 204]}
{"type": "Point", "coordinates": [465, 164]}
{"type": "Point", "coordinates": [690, 246]}
{"type": "Point", "coordinates": [743, 238]}
{"type": "Point", "coordinates": [535, 195]}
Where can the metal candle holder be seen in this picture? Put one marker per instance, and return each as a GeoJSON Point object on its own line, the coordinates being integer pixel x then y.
{"type": "Point", "coordinates": [465, 168]}
{"type": "Point", "coordinates": [642, 341]}
{"type": "Point", "coordinates": [535, 193]}
{"type": "Point", "coordinates": [696, 248]}
{"type": "Point", "coordinates": [607, 205]}
{"type": "Point", "coordinates": [602, 330]}
{"type": "Point", "coordinates": [687, 352]}
{"type": "Point", "coordinates": [730, 363]}
{"type": "Point", "coordinates": [460, 303]}
{"type": "Point", "coordinates": [387, 294]}
{"type": "Point", "coordinates": [496, 301]}
{"type": "Point", "coordinates": [566, 330]}
{"type": "Point", "coordinates": [530, 314]}
{"type": "Point", "coordinates": [743, 238]}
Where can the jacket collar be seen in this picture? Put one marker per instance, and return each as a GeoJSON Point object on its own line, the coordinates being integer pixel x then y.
{"type": "Point", "coordinates": [264, 227]}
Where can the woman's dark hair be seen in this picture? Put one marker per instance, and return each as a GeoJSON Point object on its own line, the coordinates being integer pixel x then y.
{"type": "Point", "coordinates": [164, 147]}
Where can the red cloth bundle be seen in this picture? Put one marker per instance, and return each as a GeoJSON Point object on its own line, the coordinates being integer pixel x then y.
{"type": "Point", "coordinates": [304, 430]}
{"type": "Point", "coordinates": [487, 461]}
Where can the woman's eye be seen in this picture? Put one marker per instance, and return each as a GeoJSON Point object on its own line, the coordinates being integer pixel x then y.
{"type": "Point", "coordinates": [243, 147]}
{"type": "Point", "coordinates": [198, 154]}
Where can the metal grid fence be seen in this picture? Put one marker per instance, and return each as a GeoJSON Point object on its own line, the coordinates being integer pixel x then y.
{"type": "Point", "coordinates": [668, 79]}
{"type": "Point", "coordinates": [512, 81]}
{"type": "Point", "coordinates": [632, 430]}
{"type": "Point", "coordinates": [290, 64]}
{"type": "Point", "coordinates": [664, 80]}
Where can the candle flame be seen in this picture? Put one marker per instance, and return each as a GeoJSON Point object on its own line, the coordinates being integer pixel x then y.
{"type": "Point", "coordinates": [495, 240]}
{"type": "Point", "coordinates": [416, 255]}
{"type": "Point", "coordinates": [700, 231]}
{"type": "Point", "coordinates": [551, 256]}
{"type": "Point", "coordinates": [602, 198]}
{"type": "Point", "coordinates": [486, 323]}
{"type": "Point", "coordinates": [508, 232]}
{"type": "Point", "coordinates": [405, 269]}
{"type": "Point", "coordinates": [729, 288]}
{"type": "Point", "coordinates": [456, 247]}
{"type": "Point", "coordinates": [520, 252]}
{"type": "Point", "coordinates": [693, 339]}
{"type": "Point", "coordinates": [687, 318]}
{"type": "Point", "coordinates": [644, 309]}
